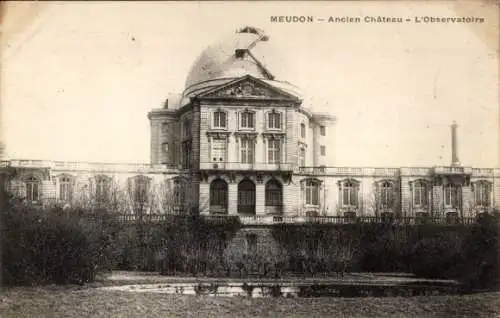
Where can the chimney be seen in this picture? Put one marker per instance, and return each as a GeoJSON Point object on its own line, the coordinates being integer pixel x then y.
{"type": "Point", "coordinates": [454, 151]}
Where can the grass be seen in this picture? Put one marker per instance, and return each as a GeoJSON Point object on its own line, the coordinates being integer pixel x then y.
{"type": "Point", "coordinates": [54, 301]}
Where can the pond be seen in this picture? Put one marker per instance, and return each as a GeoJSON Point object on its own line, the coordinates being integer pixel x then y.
{"type": "Point", "coordinates": [257, 289]}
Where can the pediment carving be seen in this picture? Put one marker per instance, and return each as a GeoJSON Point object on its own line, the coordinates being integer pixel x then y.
{"type": "Point", "coordinates": [248, 88]}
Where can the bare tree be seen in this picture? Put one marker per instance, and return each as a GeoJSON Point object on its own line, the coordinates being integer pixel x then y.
{"type": "Point", "coordinates": [168, 197]}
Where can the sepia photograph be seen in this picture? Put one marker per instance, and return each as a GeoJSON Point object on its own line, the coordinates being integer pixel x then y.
{"type": "Point", "coordinates": [249, 159]}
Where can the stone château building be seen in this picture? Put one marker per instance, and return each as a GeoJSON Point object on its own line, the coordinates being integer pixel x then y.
{"type": "Point", "coordinates": [239, 141]}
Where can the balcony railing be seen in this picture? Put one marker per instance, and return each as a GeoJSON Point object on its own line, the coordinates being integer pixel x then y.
{"type": "Point", "coordinates": [483, 172]}
{"type": "Point", "coordinates": [348, 171]}
{"type": "Point", "coordinates": [452, 170]}
{"type": "Point", "coordinates": [237, 166]}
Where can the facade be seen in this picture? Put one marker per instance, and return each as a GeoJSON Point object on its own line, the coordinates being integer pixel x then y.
{"type": "Point", "coordinates": [238, 141]}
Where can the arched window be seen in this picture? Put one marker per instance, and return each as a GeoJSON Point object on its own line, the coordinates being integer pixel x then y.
{"type": "Point", "coordinates": [219, 119]}
{"type": "Point", "coordinates": [218, 196]}
{"type": "Point", "coordinates": [246, 197]}
{"type": "Point", "coordinates": [420, 193]}
{"type": "Point", "coordinates": [386, 194]}
{"type": "Point", "coordinates": [452, 195]}
{"type": "Point", "coordinates": [349, 191]}
{"type": "Point", "coordinates": [274, 193]}
{"type": "Point", "coordinates": [312, 192]}
{"type": "Point", "coordinates": [32, 189]}
{"type": "Point", "coordinates": [65, 188]}
{"type": "Point", "coordinates": [482, 193]}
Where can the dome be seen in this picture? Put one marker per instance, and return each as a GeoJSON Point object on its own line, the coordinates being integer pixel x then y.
{"type": "Point", "coordinates": [246, 52]}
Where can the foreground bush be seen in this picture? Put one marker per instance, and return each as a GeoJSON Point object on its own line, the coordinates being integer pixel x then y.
{"type": "Point", "coordinates": [479, 269]}
{"type": "Point", "coordinates": [192, 245]}
{"type": "Point", "coordinates": [52, 245]}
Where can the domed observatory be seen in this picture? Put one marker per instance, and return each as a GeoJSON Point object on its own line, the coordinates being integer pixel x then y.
{"type": "Point", "coordinates": [238, 130]}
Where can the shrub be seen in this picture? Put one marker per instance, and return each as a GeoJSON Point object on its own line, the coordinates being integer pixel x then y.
{"type": "Point", "coordinates": [436, 253]}
{"type": "Point", "coordinates": [193, 245]}
{"type": "Point", "coordinates": [313, 250]}
{"type": "Point", "coordinates": [51, 245]}
{"type": "Point", "coordinates": [382, 249]}
{"type": "Point", "coordinates": [480, 267]}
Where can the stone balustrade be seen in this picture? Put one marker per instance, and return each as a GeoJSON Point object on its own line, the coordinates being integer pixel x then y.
{"type": "Point", "coordinates": [257, 220]}
{"type": "Point", "coordinates": [89, 166]}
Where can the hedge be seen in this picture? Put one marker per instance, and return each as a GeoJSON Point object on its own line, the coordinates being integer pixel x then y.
{"type": "Point", "coordinates": [52, 245]}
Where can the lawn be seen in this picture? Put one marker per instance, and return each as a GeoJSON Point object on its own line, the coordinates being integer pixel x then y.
{"type": "Point", "coordinates": [89, 302]}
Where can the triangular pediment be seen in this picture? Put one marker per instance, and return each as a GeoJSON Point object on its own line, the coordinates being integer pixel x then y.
{"type": "Point", "coordinates": [248, 87]}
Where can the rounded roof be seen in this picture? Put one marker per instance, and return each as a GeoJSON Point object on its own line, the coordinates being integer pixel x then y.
{"type": "Point", "coordinates": [220, 63]}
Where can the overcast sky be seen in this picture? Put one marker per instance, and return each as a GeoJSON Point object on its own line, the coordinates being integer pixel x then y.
{"type": "Point", "coordinates": [79, 78]}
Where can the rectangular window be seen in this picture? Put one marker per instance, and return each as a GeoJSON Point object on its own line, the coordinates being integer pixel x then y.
{"type": "Point", "coordinates": [322, 130]}
{"type": "Point", "coordinates": [186, 154]}
{"type": "Point", "coordinates": [219, 149]}
{"type": "Point", "coordinates": [417, 197]}
{"type": "Point", "coordinates": [65, 189]}
{"type": "Point", "coordinates": [386, 195]}
{"type": "Point", "coordinates": [32, 190]}
{"type": "Point", "coordinates": [219, 119]}
{"type": "Point", "coordinates": [482, 194]}
{"type": "Point", "coordinates": [102, 189]}
{"type": "Point", "coordinates": [247, 120]}
{"type": "Point", "coordinates": [274, 121]}
{"type": "Point", "coordinates": [164, 127]}
{"type": "Point", "coordinates": [302, 130]}
{"type": "Point", "coordinates": [323, 150]}
{"type": "Point", "coordinates": [247, 151]}
{"type": "Point", "coordinates": [312, 193]}
{"type": "Point", "coordinates": [187, 129]}
{"type": "Point", "coordinates": [302, 157]}
{"type": "Point", "coordinates": [139, 191]}
{"type": "Point", "coordinates": [164, 147]}
{"type": "Point", "coordinates": [274, 151]}
{"type": "Point", "coordinates": [349, 194]}
{"type": "Point", "coordinates": [452, 196]}
{"type": "Point", "coordinates": [179, 193]}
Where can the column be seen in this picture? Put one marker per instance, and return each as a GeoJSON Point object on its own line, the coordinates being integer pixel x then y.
{"type": "Point", "coordinates": [232, 196]}
{"type": "Point", "coordinates": [204, 198]}
{"type": "Point", "coordinates": [260, 198]}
